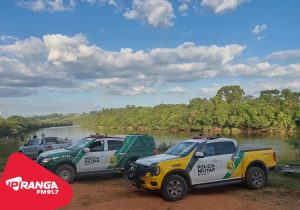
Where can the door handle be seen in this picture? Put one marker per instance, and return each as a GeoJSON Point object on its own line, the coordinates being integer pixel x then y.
{"type": "Point", "coordinates": [235, 157]}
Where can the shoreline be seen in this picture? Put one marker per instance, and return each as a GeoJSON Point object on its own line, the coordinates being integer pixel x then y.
{"type": "Point", "coordinates": [207, 130]}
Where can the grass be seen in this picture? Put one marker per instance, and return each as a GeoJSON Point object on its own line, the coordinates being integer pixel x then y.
{"type": "Point", "coordinates": [6, 149]}
{"type": "Point", "coordinates": [279, 180]}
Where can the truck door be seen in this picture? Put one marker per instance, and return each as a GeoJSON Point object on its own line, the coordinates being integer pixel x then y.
{"type": "Point", "coordinates": [205, 169]}
{"type": "Point", "coordinates": [26, 149]}
{"type": "Point", "coordinates": [112, 146]}
{"type": "Point", "coordinates": [93, 160]}
{"type": "Point", "coordinates": [32, 147]}
{"type": "Point", "coordinates": [217, 165]}
{"type": "Point", "coordinates": [227, 154]}
{"type": "Point", "coordinates": [36, 147]}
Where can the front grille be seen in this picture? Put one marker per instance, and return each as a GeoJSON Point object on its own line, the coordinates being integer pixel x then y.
{"type": "Point", "coordinates": [136, 171]}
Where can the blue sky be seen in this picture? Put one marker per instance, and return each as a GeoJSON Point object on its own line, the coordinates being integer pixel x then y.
{"type": "Point", "coordinates": [81, 55]}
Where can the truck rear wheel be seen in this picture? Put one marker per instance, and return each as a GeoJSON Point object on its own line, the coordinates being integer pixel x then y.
{"type": "Point", "coordinates": [255, 178]}
{"type": "Point", "coordinates": [174, 188]}
{"type": "Point", "coordinates": [66, 172]}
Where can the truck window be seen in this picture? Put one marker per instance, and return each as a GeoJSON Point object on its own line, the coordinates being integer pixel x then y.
{"type": "Point", "coordinates": [201, 147]}
{"type": "Point", "coordinates": [51, 140]}
{"type": "Point", "coordinates": [114, 145]}
{"type": "Point", "coordinates": [30, 143]}
{"type": "Point", "coordinates": [210, 149]}
{"type": "Point", "coordinates": [97, 146]}
{"type": "Point", "coordinates": [224, 148]}
{"type": "Point", "coordinates": [33, 142]}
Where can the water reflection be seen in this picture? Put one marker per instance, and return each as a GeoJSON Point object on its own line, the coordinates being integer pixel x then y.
{"type": "Point", "coordinates": [278, 142]}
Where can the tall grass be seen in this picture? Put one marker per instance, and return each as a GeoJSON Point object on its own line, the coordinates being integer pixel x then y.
{"type": "Point", "coordinates": [6, 149]}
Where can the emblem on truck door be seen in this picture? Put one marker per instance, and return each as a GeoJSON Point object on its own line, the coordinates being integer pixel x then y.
{"type": "Point", "coordinates": [230, 166]}
{"type": "Point", "coordinates": [113, 161]}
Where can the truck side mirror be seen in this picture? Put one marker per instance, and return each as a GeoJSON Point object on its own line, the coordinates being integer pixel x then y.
{"type": "Point", "coordinates": [199, 155]}
{"type": "Point", "coordinates": [86, 150]}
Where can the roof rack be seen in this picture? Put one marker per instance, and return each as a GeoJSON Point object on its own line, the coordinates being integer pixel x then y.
{"type": "Point", "coordinates": [206, 137]}
{"type": "Point", "coordinates": [139, 134]}
{"type": "Point", "coordinates": [99, 136]}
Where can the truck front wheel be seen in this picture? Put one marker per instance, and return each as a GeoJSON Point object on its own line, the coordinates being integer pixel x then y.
{"type": "Point", "coordinates": [66, 172]}
{"type": "Point", "coordinates": [174, 188]}
{"type": "Point", "coordinates": [255, 178]}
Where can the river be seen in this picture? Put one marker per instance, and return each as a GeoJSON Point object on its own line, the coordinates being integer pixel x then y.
{"type": "Point", "coordinates": [278, 142]}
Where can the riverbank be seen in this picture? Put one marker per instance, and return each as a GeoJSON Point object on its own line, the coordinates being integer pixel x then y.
{"type": "Point", "coordinates": [228, 111]}
{"type": "Point", "coordinates": [17, 126]}
{"type": "Point", "coordinates": [205, 131]}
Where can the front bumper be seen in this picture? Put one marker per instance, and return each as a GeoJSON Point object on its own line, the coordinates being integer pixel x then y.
{"type": "Point", "coordinates": [142, 177]}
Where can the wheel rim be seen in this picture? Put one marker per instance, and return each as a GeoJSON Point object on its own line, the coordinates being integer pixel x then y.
{"type": "Point", "coordinates": [65, 174]}
{"type": "Point", "coordinates": [257, 178]}
{"type": "Point", "coordinates": [174, 188]}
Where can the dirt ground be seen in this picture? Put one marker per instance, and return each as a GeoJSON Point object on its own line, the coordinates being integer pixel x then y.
{"type": "Point", "coordinates": [112, 192]}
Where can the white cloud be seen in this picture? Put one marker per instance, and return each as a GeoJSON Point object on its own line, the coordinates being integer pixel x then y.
{"type": "Point", "coordinates": [158, 13]}
{"type": "Point", "coordinates": [114, 3]}
{"type": "Point", "coordinates": [70, 63]}
{"type": "Point", "coordinates": [221, 6]}
{"type": "Point", "coordinates": [5, 38]}
{"type": "Point", "coordinates": [259, 28]}
{"type": "Point", "coordinates": [280, 83]}
{"type": "Point", "coordinates": [183, 8]}
{"type": "Point", "coordinates": [210, 91]}
{"type": "Point", "coordinates": [48, 5]}
{"type": "Point", "coordinates": [260, 37]}
{"type": "Point", "coordinates": [285, 55]}
{"type": "Point", "coordinates": [176, 90]}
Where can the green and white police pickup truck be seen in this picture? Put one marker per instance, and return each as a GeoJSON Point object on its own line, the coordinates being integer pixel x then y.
{"type": "Point", "coordinates": [97, 155]}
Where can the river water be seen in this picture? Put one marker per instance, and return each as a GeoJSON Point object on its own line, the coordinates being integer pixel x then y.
{"type": "Point", "coordinates": [279, 143]}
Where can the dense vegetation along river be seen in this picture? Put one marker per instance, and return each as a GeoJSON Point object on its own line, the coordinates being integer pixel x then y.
{"type": "Point", "coordinates": [278, 142]}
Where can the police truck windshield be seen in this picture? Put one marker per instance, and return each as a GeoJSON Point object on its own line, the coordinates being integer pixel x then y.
{"type": "Point", "coordinates": [78, 145]}
{"type": "Point", "coordinates": [182, 149]}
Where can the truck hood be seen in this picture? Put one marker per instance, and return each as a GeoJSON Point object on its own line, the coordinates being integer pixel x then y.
{"type": "Point", "coordinates": [153, 160]}
{"type": "Point", "coordinates": [58, 152]}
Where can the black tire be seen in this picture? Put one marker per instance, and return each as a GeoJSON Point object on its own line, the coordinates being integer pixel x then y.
{"type": "Point", "coordinates": [255, 178]}
{"type": "Point", "coordinates": [174, 188]}
{"type": "Point", "coordinates": [66, 172]}
{"type": "Point", "coordinates": [127, 166]}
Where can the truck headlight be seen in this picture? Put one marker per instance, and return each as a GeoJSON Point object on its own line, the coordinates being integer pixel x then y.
{"type": "Point", "coordinates": [46, 160]}
{"type": "Point", "coordinates": [156, 171]}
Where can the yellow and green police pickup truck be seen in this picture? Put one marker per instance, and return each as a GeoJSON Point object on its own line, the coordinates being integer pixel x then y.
{"type": "Point", "coordinates": [199, 163]}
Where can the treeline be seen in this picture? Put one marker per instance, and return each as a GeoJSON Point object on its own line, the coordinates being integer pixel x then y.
{"type": "Point", "coordinates": [229, 109]}
{"type": "Point", "coordinates": [17, 125]}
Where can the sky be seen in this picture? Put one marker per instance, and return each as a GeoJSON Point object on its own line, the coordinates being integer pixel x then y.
{"type": "Point", "coordinates": [74, 56]}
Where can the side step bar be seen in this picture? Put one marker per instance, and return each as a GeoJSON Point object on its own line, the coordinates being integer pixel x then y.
{"type": "Point", "coordinates": [217, 184]}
